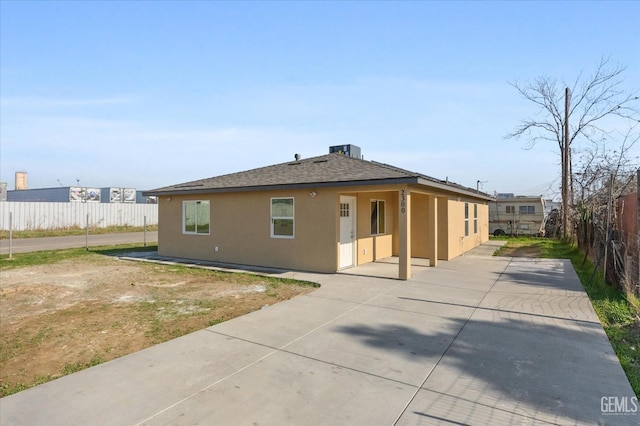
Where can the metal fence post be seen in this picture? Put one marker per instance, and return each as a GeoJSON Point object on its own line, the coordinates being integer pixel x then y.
{"type": "Point", "coordinates": [10, 235]}
{"type": "Point", "coordinates": [144, 230]}
{"type": "Point", "coordinates": [86, 239]}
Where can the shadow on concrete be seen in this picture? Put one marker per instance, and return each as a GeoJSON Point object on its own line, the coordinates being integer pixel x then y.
{"type": "Point", "coordinates": [507, 311]}
{"type": "Point", "coordinates": [536, 371]}
{"type": "Point", "coordinates": [553, 277]}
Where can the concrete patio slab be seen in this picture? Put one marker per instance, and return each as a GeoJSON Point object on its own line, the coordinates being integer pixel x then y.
{"type": "Point", "coordinates": [534, 374]}
{"type": "Point", "coordinates": [293, 390]}
{"type": "Point", "coordinates": [307, 314]}
{"type": "Point", "coordinates": [124, 390]}
{"type": "Point", "coordinates": [417, 304]}
{"type": "Point", "coordinates": [576, 329]}
{"type": "Point", "coordinates": [558, 306]}
{"type": "Point", "coordinates": [350, 288]}
{"type": "Point", "coordinates": [434, 408]}
{"type": "Point", "coordinates": [397, 345]}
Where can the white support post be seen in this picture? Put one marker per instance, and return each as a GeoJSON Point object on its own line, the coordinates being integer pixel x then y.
{"type": "Point", "coordinates": [432, 230]}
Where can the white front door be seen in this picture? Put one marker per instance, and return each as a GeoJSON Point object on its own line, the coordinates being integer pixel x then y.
{"type": "Point", "coordinates": [347, 231]}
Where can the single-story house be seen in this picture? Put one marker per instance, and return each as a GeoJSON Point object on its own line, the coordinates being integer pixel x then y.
{"type": "Point", "coordinates": [320, 214]}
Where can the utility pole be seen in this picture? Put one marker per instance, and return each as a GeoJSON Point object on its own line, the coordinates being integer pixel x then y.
{"type": "Point", "coordinates": [565, 167]}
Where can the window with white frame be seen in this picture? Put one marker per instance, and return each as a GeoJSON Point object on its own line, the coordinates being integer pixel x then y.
{"type": "Point", "coordinates": [511, 209]}
{"type": "Point", "coordinates": [475, 218]}
{"type": "Point", "coordinates": [378, 225]}
{"type": "Point", "coordinates": [195, 217]}
{"type": "Point", "coordinates": [282, 217]}
{"type": "Point", "coordinates": [466, 219]}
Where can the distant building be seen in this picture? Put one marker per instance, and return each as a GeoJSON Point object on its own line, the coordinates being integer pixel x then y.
{"type": "Point", "coordinates": [65, 194]}
{"type": "Point", "coordinates": [21, 181]}
{"type": "Point", "coordinates": [517, 215]}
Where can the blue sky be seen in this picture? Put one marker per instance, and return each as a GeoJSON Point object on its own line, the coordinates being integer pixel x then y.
{"type": "Point", "coordinates": [148, 94]}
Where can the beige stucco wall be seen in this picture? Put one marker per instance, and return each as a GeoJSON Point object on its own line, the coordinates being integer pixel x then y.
{"type": "Point", "coordinates": [457, 242]}
{"type": "Point", "coordinates": [419, 226]}
{"type": "Point", "coordinates": [374, 247]}
{"type": "Point", "coordinates": [240, 228]}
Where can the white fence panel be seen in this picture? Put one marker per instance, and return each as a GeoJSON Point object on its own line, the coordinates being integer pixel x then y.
{"type": "Point", "coordinates": [33, 215]}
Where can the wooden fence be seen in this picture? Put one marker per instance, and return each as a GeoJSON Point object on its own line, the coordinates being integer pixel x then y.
{"type": "Point", "coordinates": [34, 215]}
{"type": "Point", "coordinates": [629, 239]}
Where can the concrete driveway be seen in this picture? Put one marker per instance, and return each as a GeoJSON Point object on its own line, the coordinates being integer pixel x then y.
{"type": "Point", "coordinates": [478, 340]}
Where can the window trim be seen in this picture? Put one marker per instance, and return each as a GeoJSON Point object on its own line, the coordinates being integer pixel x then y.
{"type": "Point", "coordinates": [378, 222]}
{"type": "Point", "coordinates": [530, 210]}
{"type": "Point", "coordinates": [466, 219]}
{"type": "Point", "coordinates": [475, 218]}
{"type": "Point", "coordinates": [274, 218]}
{"type": "Point", "coordinates": [184, 217]}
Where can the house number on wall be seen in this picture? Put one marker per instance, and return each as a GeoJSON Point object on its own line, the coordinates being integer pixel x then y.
{"type": "Point", "coordinates": [403, 202]}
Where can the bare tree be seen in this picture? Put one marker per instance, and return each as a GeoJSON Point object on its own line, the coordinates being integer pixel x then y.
{"type": "Point", "coordinates": [598, 167]}
{"type": "Point", "coordinates": [568, 113]}
{"type": "Point", "coordinates": [599, 161]}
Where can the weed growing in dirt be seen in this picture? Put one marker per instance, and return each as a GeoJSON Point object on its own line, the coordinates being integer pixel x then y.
{"type": "Point", "coordinates": [78, 366]}
{"type": "Point", "coordinates": [20, 260]}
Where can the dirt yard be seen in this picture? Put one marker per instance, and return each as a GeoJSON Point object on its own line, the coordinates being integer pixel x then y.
{"type": "Point", "coordinates": [525, 251]}
{"type": "Point", "coordinates": [63, 317]}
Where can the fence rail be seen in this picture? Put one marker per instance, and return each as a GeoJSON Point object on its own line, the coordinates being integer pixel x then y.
{"type": "Point", "coordinates": [33, 215]}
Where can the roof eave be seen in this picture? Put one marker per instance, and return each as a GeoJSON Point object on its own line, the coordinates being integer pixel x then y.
{"type": "Point", "coordinates": [367, 182]}
{"type": "Point", "coordinates": [450, 188]}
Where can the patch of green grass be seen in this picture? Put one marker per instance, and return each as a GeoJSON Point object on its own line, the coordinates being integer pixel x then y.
{"type": "Point", "coordinates": [74, 230]}
{"type": "Point", "coordinates": [78, 366]}
{"type": "Point", "coordinates": [163, 317]}
{"type": "Point", "coordinates": [40, 336]}
{"type": "Point", "coordinates": [7, 389]}
{"type": "Point", "coordinates": [48, 257]}
{"type": "Point", "coordinates": [539, 243]}
{"type": "Point", "coordinates": [619, 313]}
{"type": "Point", "coordinates": [20, 260]}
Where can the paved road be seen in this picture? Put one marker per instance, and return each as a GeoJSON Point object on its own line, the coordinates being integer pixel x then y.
{"type": "Point", "coordinates": [24, 245]}
{"type": "Point", "coordinates": [475, 341]}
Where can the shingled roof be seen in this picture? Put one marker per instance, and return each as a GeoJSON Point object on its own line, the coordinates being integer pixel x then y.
{"type": "Point", "coordinates": [325, 170]}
